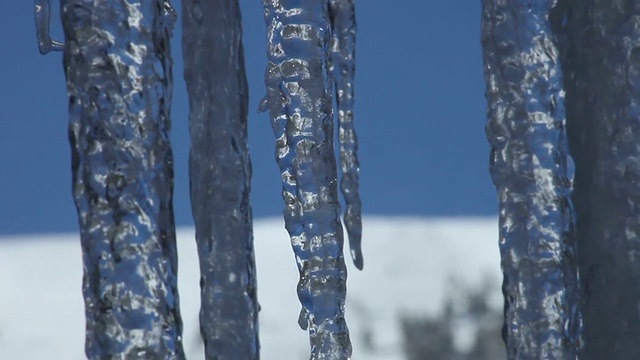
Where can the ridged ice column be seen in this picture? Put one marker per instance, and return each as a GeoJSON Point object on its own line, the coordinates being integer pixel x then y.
{"type": "Point", "coordinates": [602, 62]}
{"type": "Point", "coordinates": [532, 172]}
{"type": "Point", "coordinates": [299, 100]}
{"type": "Point", "coordinates": [118, 69]}
{"type": "Point", "coordinates": [220, 174]}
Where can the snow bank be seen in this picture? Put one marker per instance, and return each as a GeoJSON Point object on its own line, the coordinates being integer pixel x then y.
{"type": "Point", "coordinates": [411, 265]}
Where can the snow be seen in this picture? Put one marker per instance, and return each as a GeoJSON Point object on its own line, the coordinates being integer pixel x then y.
{"type": "Point", "coordinates": [411, 265]}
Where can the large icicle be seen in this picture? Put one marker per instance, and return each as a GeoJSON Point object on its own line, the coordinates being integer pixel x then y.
{"type": "Point", "coordinates": [342, 66]}
{"type": "Point", "coordinates": [532, 172]}
{"type": "Point", "coordinates": [220, 174]}
{"type": "Point", "coordinates": [299, 99]}
{"type": "Point", "coordinates": [602, 76]}
{"type": "Point", "coordinates": [118, 67]}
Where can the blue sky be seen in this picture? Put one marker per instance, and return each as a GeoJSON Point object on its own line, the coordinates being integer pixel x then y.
{"type": "Point", "coordinates": [420, 114]}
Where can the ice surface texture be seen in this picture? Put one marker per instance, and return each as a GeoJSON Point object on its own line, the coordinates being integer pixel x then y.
{"type": "Point", "coordinates": [42, 9]}
{"type": "Point", "coordinates": [342, 66]}
{"type": "Point", "coordinates": [118, 67]}
{"type": "Point", "coordinates": [532, 171]}
{"type": "Point", "coordinates": [601, 57]}
{"type": "Point", "coordinates": [299, 99]}
{"type": "Point", "coordinates": [220, 174]}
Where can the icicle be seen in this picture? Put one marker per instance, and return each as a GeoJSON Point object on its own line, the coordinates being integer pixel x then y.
{"type": "Point", "coordinates": [342, 66]}
{"type": "Point", "coordinates": [602, 62]}
{"type": "Point", "coordinates": [118, 67]}
{"type": "Point", "coordinates": [220, 174]}
{"type": "Point", "coordinates": [532, 172]}
{"type": "Point", "coordinates": [299, 100]}
{"type": "Point", "coordinates": [43, 18]}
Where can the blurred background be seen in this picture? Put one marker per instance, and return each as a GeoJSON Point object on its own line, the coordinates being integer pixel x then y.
{"type": "Point", "coordinates": [420, 114]}
{"type": "Point", "coordinates": [430, 290]}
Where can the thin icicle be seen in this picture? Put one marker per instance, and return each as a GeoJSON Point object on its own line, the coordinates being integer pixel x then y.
{"type": "Point", "coordinates": [342, 66]}
{"type": "Point", "coordinates": [532, 171]}
{"type": "Point", "coordinates": [118, 67]}
{"type": "Point", "coordinates": [220, 174]}
{"type": "Point", "coordinates": [42, 9]}
{"type": "Point", "coordinates": [299, 100]}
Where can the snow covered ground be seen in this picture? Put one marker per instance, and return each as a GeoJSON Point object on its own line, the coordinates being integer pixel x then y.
{"type": "Point", "coordinates": [411, 266]}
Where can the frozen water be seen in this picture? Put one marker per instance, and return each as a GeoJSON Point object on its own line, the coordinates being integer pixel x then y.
{"type": "Point", "coordinates": [220, 174]}
{"type": "Point", "coordinates": [532, 171]}
{"type": "Point", "coordinates": [42, 10]}
{"type": "Point", "coordinates": [601, 53]}
{"type": "Point", "coordinates": [118, 66]}
{"type": "Point", "coordinates": [299, 99]}
{"type": "Point", "coordinates": [342, 66]}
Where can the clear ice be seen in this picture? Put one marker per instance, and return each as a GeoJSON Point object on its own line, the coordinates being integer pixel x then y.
{"type": "Point", "coordinates": [220, 174]}
{"type": "Point", "coordinates": [118, 67]}
{"type": "Point", "coordinates": [299, 99]}
{"type": "Point", "coordinates": [342, 66]}
{"type": "Point", "coordinates": [42, 10]}
{"type": "Point", "coordinates": [532, 170]}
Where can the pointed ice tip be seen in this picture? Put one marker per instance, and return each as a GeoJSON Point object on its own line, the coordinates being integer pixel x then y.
{"type": "Point", "coordinates": [302, 319]}
{"type": "Point", "coordinates": [358, 261]}
{"type": "Point", "coordinates": [51, 45]}
{"type": "Point", "coordinates": [264, 105]}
